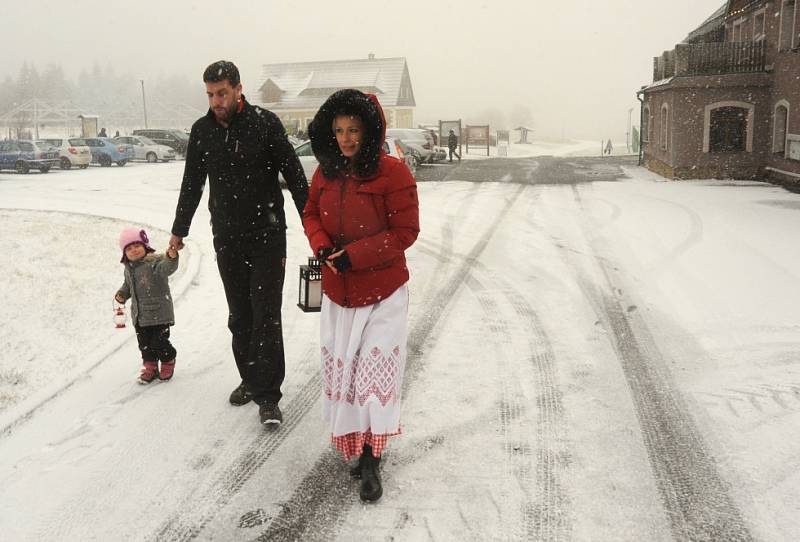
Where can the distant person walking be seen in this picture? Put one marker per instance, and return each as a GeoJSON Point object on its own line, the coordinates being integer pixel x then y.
{"type": "Point", "coordinates": [609, 147]}
{"type": "Point", "coordinates": [102, 133]}
{"type": "Point", "coordinates": [452, 145]}
{"type": "Point", "coordinates": [241, 148]}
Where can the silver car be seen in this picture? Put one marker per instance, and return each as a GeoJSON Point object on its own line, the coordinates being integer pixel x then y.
{"type": "Point", "coordinates": [392, 146]}
{"type": "Point", "coordinates": [418, 139]}
{"type": "Point", "coordinates": [147, 149]}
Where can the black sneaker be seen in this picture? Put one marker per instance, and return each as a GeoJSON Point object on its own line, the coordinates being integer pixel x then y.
{"type": "Point", "coordinates": [240, 396]}
{"type": "Point", "coordinates": [270, 413]}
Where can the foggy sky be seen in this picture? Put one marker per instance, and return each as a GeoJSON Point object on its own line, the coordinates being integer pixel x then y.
{"type": "Point", "coordinates": [575, 64]}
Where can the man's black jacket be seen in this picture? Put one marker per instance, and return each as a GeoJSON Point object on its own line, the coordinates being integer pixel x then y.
{"type": "Point", "coordinates": [242, 163]}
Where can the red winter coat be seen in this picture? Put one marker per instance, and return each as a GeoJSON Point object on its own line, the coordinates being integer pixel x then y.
{"type": "Point", "coordinates": [375, 220]}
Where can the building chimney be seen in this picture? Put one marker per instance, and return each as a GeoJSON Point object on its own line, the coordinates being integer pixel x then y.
{"type": "Point", "coordinates": [372, 56]}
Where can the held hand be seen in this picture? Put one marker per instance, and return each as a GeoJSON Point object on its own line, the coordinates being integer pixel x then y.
{"type": "Point", "coordinates": [172, 252]}
{"type": "Point", "coordinates": [322, 256]}
{"type": "Point", "coordinates": [329, 261]}
{"type": "Point", "coordinates": [176, 242]}
{"type": "Point", "coordinates": [340, 261]}
{"type": "Point", "coordinates": [118, 298]}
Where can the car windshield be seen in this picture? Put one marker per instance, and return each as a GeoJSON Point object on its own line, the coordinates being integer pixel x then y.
{"type": "Point", "coordinates": [180, 135]}
{"type": "Point", "coordinates": [146, 140]}
{"type": "Point", "coordinates": [77, 142]}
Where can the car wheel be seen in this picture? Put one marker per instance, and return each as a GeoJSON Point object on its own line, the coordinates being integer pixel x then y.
{"type": "Point", "coordinates": [22, 167]}
{"type": "Point", "coordinates": [152, 158]}
{"type": "Point", "coordinates": [165, 160]}
{"type": "Point", "coordinates": [105, 160]}
{"type": "Point", "coordinates": [122, 163]}
{"type": "Point", "coordinates": [84, 166]}
{"type": "Point", "coordinates": [65, 163]}
{"type": "Point", "coordinates": [44, 169]}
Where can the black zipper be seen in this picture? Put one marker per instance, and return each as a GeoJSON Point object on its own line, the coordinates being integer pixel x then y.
{"type": "Point", "coordinates": [341, 231]}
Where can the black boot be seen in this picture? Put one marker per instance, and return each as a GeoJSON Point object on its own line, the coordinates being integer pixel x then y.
{"type": "Point", "coordinates": [355, 470]}
{"type": "Point", "coordinates": [371, 489]}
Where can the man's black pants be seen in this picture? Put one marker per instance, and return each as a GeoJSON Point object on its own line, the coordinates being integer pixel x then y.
{"type": "Point", "coordinates": [252, 273]}
{"type": "Point", "coordinates": [154, 343]}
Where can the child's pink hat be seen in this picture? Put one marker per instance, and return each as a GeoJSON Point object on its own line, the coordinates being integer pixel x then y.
{"type": "Point", "coordinates": [130, 236]}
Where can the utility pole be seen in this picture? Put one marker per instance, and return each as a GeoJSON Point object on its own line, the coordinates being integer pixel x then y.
{"type": "Point", "coordinates": [144, 104]}
{"type": "Point", "coordinates": [628, 133]}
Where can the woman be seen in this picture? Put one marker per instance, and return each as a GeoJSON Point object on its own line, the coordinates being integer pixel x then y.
{"type": "Point", "coordinates": [362, 214]}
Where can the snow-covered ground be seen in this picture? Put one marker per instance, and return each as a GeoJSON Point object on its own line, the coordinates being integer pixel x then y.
{"type": "Point", "coordinates": [598, 361]}
{"type": "Point", "coordinates": [544, 148]}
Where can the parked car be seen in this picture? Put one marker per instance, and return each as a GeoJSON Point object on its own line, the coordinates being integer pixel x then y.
{"type": "Point", "coordinates": [23, 155]}
{"type": "Point", "coordinates": [146, 149]}
{"type": "Point", "coordinates": [418, 139]}
{"type": "Point", "coordinates": [106, 151]}
{"type": "Point", "coordinates": [71, 152]}
{"type": "Point", "coordinates": [392, 146]}
{"type": "Point", "coordinates": [177, 139]}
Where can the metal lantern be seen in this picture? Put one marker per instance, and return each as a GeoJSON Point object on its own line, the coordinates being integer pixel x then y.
{"type": "Point", "coordinates": [119, 314]}
{"type": "Point", "coordinates": [310, 291]}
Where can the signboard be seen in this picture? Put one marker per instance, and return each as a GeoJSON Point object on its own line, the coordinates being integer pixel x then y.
{"type": "Point", "coordinates": [88, 125]}
{"type": "Point", "coordinates": [478, 136]}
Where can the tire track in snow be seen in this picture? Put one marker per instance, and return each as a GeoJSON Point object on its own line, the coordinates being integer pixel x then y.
{"type": "Point", "coordinates": [696, 498]}
{"type": "Point", "coordinates": [202, 504]}
{"type": "Point", "coordinates": [545, 518]}
{"type": "Point", "coordinates": [321, 491]}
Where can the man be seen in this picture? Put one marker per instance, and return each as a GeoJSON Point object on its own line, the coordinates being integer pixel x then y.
{"type": "Point", "coordinates": [241, 148]}
{"type": "Point", "coordinates": [452, 144]}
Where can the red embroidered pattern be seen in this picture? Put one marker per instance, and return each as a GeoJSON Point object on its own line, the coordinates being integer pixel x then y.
{"type": "Point", "coordinates": [332, 375]}
{"type": "Point", "coordinates": [374, 374]}
{"type": "Point", "coordinates": [352, 444]}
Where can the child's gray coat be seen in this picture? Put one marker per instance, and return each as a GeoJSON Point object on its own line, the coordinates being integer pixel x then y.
{"type": "Point", "coordinates": [147, 286]}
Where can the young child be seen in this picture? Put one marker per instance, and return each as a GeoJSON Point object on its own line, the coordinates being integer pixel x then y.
{"type": "Point", "coordinates": [147, 287]}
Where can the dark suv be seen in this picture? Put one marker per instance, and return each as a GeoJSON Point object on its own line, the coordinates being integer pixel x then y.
{"type": "Point", "coordinates": [177, 139]}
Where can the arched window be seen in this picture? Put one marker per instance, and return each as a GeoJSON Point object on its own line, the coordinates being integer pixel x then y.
{"type": "Point", "coordinates": [664, 128]}
{"type": "Point", "coordinates": [728, 127]}
{"type": "Point", "coordinates": [780, 127]}
{"type": "Point", "coordinates": [646, 124]}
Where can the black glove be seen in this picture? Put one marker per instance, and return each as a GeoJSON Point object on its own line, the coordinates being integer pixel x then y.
{"type": "Point", "coordinates": [342, 262]}
{"type": "Point", "coordinates": [323, 253]}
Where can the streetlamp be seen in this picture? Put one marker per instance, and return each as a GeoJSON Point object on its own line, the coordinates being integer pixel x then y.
{"type": "Point", "coordinates": [144, 104]}
{"type": "Point", "coordinates": [628, 133]}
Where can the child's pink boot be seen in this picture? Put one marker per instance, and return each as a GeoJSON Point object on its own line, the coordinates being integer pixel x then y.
{"type": "Point", "coordinates": [167, 369]}
{"type": "Point", "coordinates": [149, 372]}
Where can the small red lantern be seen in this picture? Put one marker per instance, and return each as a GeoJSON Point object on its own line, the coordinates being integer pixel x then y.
{"type": "Point", "coordinates": [119, 314]}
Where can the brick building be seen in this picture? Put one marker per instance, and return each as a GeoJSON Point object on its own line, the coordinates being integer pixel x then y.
{"type": "Point", "coordinates": [725, 103]}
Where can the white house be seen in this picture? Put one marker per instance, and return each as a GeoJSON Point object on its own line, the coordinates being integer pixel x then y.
{"type": "Point", "coordinates": [295, 91]}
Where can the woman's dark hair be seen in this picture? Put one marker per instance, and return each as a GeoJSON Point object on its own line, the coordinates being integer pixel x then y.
{"type": "Point", "coordinates": [222, 70]}
{"type": "Point", "coordinates": [350, 103]}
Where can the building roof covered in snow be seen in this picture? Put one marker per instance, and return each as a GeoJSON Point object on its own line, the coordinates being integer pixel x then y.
{"type": "Point", "coordinates": [712, 29]}
{"type": "Point", "coordinates": [306, 85]}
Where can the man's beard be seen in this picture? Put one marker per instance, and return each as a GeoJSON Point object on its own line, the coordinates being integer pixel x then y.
{"type": "Point", "coordinates": [226, 115]}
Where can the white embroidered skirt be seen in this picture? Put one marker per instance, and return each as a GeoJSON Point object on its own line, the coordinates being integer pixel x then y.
{"type": "Point", "coordinates": [363, 361]}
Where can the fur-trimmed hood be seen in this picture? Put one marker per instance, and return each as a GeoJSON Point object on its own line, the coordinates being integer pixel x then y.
{"type": "Point", "coordinates": [323, 140]}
